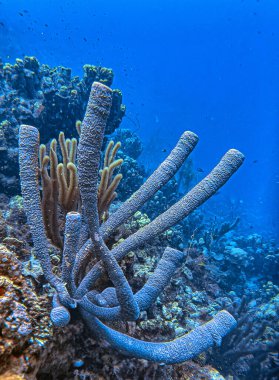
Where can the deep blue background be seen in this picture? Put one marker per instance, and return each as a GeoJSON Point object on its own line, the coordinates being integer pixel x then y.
{"type": "Point", "coordinates": [211, 66]}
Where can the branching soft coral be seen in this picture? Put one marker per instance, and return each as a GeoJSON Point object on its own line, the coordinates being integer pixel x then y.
{"type": "Point", "coordinates": [59, 183]}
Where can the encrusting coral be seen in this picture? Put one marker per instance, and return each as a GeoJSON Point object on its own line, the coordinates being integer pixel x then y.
{"type": "Point", "coordinates": [85, 238]}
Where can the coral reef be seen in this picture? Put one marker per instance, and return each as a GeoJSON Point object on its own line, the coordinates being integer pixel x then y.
{"type": "Point", "coordinates": [250, 351]}
{"type": "Point", "coordinates": [130, 143]}
{"type": "Point", "coordinates": [134, 174]}
{"type": "Point", "coordinates": [24, 321]}
{"type": "Point", "coordinates": [192, 294]}
{"type": "Point", "coordinates": [216, 267]}
{"type": "Point", "coordinates": [162, 200]}
{"type": "Point", "coordinates": [118, 303]}
{"type": "Point", "coordinates": [242, 262]}
{"type": "Point", "coordinates": [50, 99]}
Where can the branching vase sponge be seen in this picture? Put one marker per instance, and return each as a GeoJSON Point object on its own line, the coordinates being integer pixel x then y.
{"type": "Point", "coordinates": [84, 242]}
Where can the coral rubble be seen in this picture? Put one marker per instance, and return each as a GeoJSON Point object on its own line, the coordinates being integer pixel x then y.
{"type": "Point", "coordinates": [215, 268]}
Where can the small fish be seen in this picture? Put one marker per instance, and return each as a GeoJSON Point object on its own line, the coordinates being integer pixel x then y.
{"type": "Point", "coordinates": [20, 13]}
{"type": "Point", "coordinates": [164, 150]}
{"type": "Point", "coordinates": [2, 24]}
{"type": "Point", "coordinates": [200, 170]}
{"type": "Point", "coordinates": [84, 39]}
{"type": "Point", "coordinates": [255, 161]}
{"type": "Point", "coordinates": [46, 25]}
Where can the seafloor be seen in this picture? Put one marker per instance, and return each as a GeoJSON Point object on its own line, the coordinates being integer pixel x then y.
{"type": "Point", "coordinates": [224, 269]}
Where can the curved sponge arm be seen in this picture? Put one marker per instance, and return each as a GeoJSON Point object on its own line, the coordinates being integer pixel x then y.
{"type": "Point", "coordinates": [72, 233]}
{"type": "Point", "coordinates": [170, 261]}
{"type": "Point", "coordinates": [28, 164]}
{"type": "Point", "coordinates": [160, 278]}
{"type": "Point", "coordinates": [205, 189]}
{"type": "Point", "coordinates": [59, 314]}
{"type": "Point", "coordinates": [158, 179]}
{"type": "Point", "coordinates": [128, 307]}
{"type": "Point", "coordinates": [179, 350]}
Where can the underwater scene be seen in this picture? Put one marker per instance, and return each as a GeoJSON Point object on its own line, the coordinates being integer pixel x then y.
{"type": "Point", "coordinates": [139, 189]}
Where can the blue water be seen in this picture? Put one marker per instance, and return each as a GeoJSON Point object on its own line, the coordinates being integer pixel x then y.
{"type": "Point", "coordinates": [208, 66]}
